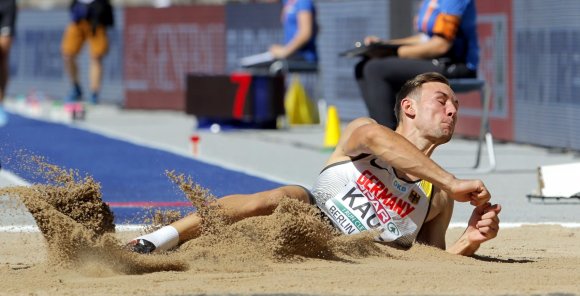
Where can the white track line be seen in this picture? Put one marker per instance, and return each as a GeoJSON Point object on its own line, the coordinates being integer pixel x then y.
{"type": "Point", "coordinates": [13, 178]}
{"type": "Point", "coordinates": [520, 224]}
{"type": "Point", "coordinates": [138, 227]}
{"type": "Point", "coordinates": [34, 228]}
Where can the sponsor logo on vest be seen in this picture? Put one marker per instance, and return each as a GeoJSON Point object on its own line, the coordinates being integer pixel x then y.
{"type": "Point", "coordinates": [414, 197]}
{"type": "Point", "coordinates": [358, 202]}
{"type": "Point", "coordinates": [400, 187]}
{"type": "Point", "coordinates": [392, 228]}
{"type": "Point", "coordinates": [376, 165]}
{"type": "Point", "coordinates": [380, 197]}
{"type": "Point", "coordinates": [345, 219]}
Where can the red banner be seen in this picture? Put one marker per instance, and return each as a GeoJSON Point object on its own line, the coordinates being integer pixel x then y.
{"type": "Point", "coordinates": [163, 45]}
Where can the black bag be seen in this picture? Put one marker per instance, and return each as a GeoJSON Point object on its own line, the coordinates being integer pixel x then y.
{"type": "Point", "coordinates": [455, 70]}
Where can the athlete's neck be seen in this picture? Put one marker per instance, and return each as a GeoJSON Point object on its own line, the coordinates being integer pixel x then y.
{"type": "Point", "coordinates": [427, 146]}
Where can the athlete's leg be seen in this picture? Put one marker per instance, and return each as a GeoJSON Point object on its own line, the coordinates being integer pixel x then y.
{"type": "Point", "coordinates": [72, 42]}
{"type": "Point", "coordinates": [236, 207]}
{"type": "Point", "coordinates": [95, 75]}
{"type": "Point", "coordinates": [71, 68]}
{"type": "Point", "coordinates": [99, 45]}
{"type": "Point", "coordinates": [7, 31]}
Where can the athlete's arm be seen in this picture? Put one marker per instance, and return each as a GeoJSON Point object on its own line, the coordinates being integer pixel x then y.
{"type": "Point", "coordinates": [302, 36]}
{"type": "Point", "coordinates": [482, 226]}
{"type": "Point", "coordinates": [433, 231]}
{"type": "Point", "coordinates": [414, 39]}
{"type": "Point", "coordinates": [397, 151]}
{"type": "Point", "coordinates": [339, 153]}
{"type": "Point", "coordinates": [365, 136]}
{"type": "Point", "coordinates": [436, 46]}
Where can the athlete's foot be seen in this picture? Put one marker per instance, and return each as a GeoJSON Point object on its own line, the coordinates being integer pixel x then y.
{"type": "Point", "coordinates": [160, 240]}
{"type": "Point", "coordinates": [94, 99]}
{"type": "Point", "coordinates": [75, 95]}
{"type": "Point", "coordinates": [141, 246]}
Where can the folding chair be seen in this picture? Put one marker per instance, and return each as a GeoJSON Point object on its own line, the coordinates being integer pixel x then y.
{"type": "Point", "coordinates": [462, 85]}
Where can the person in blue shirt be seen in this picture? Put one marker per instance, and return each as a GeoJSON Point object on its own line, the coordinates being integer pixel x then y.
{"type": "Point", "coordinates": [299, 22]}
{"type": "Point", "coordinates": [446, 43]}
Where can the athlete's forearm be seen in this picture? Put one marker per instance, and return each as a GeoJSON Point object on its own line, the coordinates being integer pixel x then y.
{"type": "Point", "coordinates": [397, 151]}
{"type": "Point", "coordinates": [463, 247]}
{"type": "Point", "coordinates": [414, 39]}
{"type": "Point", "coordinates": [435, 47]}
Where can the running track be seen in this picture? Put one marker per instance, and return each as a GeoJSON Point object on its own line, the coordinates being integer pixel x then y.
{"type": "Point", "coordinates": [132, 177]}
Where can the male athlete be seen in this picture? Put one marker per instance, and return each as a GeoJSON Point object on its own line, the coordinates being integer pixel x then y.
{"type": "Point", "coordinates": [377, 178]}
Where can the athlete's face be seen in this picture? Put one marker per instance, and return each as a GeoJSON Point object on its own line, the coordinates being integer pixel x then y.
{"type": "Point", "coordinates": [436, 113]}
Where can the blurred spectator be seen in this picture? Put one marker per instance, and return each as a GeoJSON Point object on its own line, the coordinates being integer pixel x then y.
{"type": "Point", "coordinates": [446, 43]}
{"type": "Point", "coordinates": [89, 22]}
{"type": "Point", "coordinates": [299, 22]}
{"type": "Point", "coordinates": [7, 30]}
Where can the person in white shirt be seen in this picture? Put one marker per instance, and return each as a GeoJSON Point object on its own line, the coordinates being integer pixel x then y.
{"type": "Point", "coordinates": [377, 178]}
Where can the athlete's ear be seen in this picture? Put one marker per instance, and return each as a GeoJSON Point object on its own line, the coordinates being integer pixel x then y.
{"type": "Point", "coordinates": [408, 107]}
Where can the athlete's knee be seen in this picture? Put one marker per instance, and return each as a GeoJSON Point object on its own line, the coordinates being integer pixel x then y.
{"type": "Point", "coordinates": [69, 58]}
{"type": "Point", "coordinates": [264, 203]}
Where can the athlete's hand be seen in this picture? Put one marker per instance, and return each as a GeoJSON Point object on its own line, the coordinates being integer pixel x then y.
{"type": "Point", "coordinates": [278, 51]}
{"type": "Point", "coordinates": [473, 191]}
{"type": "Point", "coordinates": [371, 39]}
{"type": "Point", "coordinates": [483, 224]}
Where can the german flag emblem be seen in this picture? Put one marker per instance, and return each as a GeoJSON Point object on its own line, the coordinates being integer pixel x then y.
{"type": "Point", "coordinates": [414, 197]}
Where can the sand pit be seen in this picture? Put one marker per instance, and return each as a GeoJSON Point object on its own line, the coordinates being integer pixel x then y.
{"type": "Point", "coordinates": [518, 262]}
{"type": "Point", "coordinates": [292, 251]}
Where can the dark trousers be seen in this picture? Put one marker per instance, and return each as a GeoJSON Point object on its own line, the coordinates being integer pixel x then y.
{"type": "Point", "coordinates": [380, 79]}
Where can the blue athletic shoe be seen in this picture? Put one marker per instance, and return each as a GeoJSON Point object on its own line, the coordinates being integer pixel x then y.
{"type": "Point", "coordinates": [3, 117]}
{"type": "Point", "coordinates": [75, 95]}
{"type": "Point", "coordinates": [94, 98]}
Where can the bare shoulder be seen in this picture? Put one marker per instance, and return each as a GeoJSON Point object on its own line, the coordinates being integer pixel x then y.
{"type": "Point", "coordinates": [355, 124]}
{"type": "Point", "coordinates": [339, 152]}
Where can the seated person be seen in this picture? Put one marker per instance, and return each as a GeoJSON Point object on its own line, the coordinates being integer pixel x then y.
{"type": "Point", "coordinates": [446, 44]}
{"type": "Point", "coordinates": [299, 23]}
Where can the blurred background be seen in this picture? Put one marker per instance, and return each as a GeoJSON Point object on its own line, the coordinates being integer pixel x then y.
{"type": "Point", "coordinates": [529, 51]}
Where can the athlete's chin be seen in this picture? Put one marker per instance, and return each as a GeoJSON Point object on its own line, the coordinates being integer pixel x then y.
{"type": "Point", "coordinates": [446, 139]}
{"type": "Point", "coordinates": [445, 135]}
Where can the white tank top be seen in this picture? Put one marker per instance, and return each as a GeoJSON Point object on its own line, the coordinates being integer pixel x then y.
{"type": "Point", "coordinates": [366, 193]}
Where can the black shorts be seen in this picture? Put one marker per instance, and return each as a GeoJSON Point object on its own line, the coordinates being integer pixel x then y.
{"type": "Point", "coordinates": [7, 18]}
{"type": "Point", "coordinates": [322, 215]}
{"type": "Point", "coordinates": [310, 195]}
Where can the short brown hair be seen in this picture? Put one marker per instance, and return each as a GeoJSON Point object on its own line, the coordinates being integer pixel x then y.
{"type": "Point", "coordinates": [413, 87]}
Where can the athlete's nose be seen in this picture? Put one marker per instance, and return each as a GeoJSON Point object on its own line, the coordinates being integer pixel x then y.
{"type": "Point", "coordinates": [451, 109]}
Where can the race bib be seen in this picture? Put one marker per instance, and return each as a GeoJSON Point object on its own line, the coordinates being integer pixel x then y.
{"type": "Point", "coordinates": [353, 211]}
